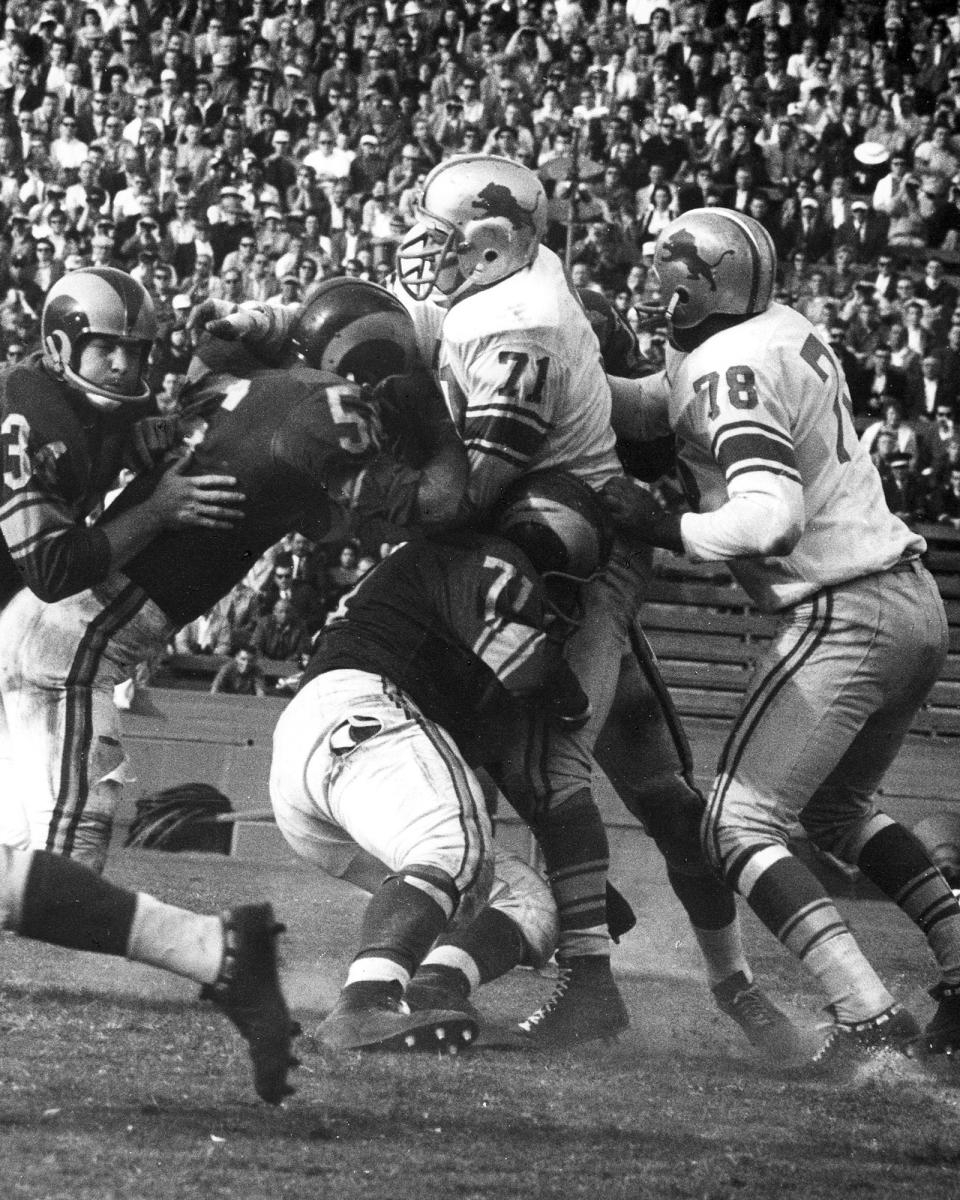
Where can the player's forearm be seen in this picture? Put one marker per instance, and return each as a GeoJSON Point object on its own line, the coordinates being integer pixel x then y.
{"type": "Point", "coordinates": [56, 559]}
{"type": "Point", "coordinates": [752, 524]}
{"type": "Point", "coordinates": [131, 532]}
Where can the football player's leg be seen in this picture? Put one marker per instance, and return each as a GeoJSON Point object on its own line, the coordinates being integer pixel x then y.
{"type": "Point", "coordinates": [14, 821]}
{"type": "Point", "coordinates": [49, 898]}
{"type": "Point", "coordinates": [645, 754]}
{"type": "Point", "coordinates": [63, 720]}
{"type": "Point", "coordinates": [396, 785]}
{"type": "Point", "coordinates": [790, 734]}
{"type": "Point", "coordinates": [843, 819]}
{"type": "Point", "coordinates": [518, 927]}
{"type": "Point", "coordinates": [555, 783]}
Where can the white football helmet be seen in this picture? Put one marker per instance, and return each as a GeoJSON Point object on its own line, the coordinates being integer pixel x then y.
{"type": "Point", "coordinates": [712, 262]}
{"type": "Point", "coordinates": [480, 219]}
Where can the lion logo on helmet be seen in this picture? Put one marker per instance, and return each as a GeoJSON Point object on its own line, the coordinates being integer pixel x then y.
{"type": "Point", "coordinates": [495, 200]}
{"type": "Point", "coordinates": [682, 247]}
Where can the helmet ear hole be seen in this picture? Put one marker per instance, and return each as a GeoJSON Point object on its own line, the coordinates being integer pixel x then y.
{"type": "Point", "coordinates": [490, 256]}
{"type": "Point", "coordinates": [683, 296]}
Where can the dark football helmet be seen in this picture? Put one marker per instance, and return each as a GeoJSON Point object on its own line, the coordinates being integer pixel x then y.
{"type": "Point", "coordinates": [96, 302]}
{"type": "Point", "coordinates": [558, 522]}
{"type": "Point", "coordinates": [355, 329]}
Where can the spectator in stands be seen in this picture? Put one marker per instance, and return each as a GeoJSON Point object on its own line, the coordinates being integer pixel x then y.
{"type": "Point", "coordinates": [281, 634]}
{"type": "Point", "coordinates": [903, 489]}
{"type": "Point", "coordinates": [893, 423]}
{"type": "Point", "coordinates": [241, 675]}
{"type": "Point", "coordinates": [301, 592]}
{"type": "Point", "coordinates": [944, 507]}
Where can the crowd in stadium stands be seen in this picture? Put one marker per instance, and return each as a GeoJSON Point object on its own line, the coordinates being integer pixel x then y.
{"type": "Point", "coordinates": [248, 149]}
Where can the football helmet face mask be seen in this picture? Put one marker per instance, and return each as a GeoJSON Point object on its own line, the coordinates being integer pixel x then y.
{"type": "Point", "coordinates": [97, 302]}
{"type": "Point", "coordinates": [480, 220]}
{"type": "Point", "coordinates": [713, 262]}
{"type": "Point", "coordinates": [357, 330]}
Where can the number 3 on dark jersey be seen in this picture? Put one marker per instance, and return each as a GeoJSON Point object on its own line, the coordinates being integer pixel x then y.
{"type": "Point", "coordinates": [814, 353]}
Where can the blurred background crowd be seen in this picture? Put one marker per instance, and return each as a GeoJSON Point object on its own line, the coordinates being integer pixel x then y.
{"type": "Point", "coordinates": [249, 149]}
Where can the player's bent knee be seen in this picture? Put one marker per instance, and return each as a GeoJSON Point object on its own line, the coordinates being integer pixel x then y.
{"type": "Point", "coordinates": [521, 894]}
{"type": "Point", "coordinates": [463, 897]}
{"type": "Point", "coordinates": [671, 812]}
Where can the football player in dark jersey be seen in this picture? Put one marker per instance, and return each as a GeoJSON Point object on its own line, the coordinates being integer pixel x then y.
{"type": "Point", "coordinates": [304, 446]}
{"type": "Point", "coordinates": [643, 750]}
{"type": "Point", "coordinates": [72, 415]}
{"type": "Point", "coordinates": [46, 897]}
{"type": "Point", "coordinates": [429, 665]}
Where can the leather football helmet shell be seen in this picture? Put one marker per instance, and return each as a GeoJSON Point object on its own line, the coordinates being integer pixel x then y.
{"type": "Point", "coordinates": [90, 302]}
{"type": "Point", "coordinates": [558, 522]}
{"type": "Point", "coordinates": [714, 262]}
{"type": "Point", "coordinates": [480, 220]}
{"type": "Point", "coordinates": [355, 328]}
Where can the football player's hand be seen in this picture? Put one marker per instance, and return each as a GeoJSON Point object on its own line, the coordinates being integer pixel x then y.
{"type": "Point", "coordinates": [222, 318]}
{"type": "Point", "coordinates": [640, 516]}
{"type": "Point", "coordinates": [210, 501]}
{"type": "Point", "coordinates": [632, 507]}
{"type": "Point", "coordinates": [151, 438]}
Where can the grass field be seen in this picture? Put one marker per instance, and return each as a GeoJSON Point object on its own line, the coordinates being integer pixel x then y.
{"type": "Point", "coordinates": [115, 1084]}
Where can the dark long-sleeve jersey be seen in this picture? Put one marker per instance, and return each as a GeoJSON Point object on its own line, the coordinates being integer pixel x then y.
{"type": "Point", "coordinates": [460, 625]}
{"type": "Point", "coordinates": [60, 456]}
{"type": "Point", "coordinates": [291, 438]}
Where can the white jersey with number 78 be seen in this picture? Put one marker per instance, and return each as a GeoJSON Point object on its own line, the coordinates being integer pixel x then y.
{"type": "Point", "coordinates": [763, 421]}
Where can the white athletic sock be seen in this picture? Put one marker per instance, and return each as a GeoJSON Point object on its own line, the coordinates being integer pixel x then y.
{"type": "Point", "coordinates": [722, 951]}
{"type": "Point", "coordinates": [460, 960]}
{"type": "Point", "coordinates": [175, 939]}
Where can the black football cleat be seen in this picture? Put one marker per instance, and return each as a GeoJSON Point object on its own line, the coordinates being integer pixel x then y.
{"type": "Point", "coordinates": [850, 1043]}
{"type": "Point", "coordinates": [942, 1034]}
{"type": "Point", "coordinates": [247, 991]}
{"type": "Point", "coordinates": [371, 1016]}
{"type": "Point", "coordinates": [586, 1005]}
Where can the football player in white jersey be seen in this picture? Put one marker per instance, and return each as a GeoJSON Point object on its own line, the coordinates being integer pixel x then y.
{"type": "Point", "coordinates": [783, 492]}
{"type": "Point", "coordinates": [521, 369]}
{"type": "Point", "coordinates": [524, 380]}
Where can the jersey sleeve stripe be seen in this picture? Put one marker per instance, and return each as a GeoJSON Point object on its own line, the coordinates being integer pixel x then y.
{"type": "Point", "coordinates": [746, 468]}
{"type": "Point", "coordinates": [477, 446]}
{"type": "Point", "coordinates": [481, 413]}
{"type": "Point", "coordinates": [515, 437]}
{"type": "Point", "coordinates": [753, 446]}
{"type": "Point", "coordinates": [741, 428]}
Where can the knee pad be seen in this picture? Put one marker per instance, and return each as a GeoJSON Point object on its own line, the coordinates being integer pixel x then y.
{"type": "Point", "coordinates": [521, 894]}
